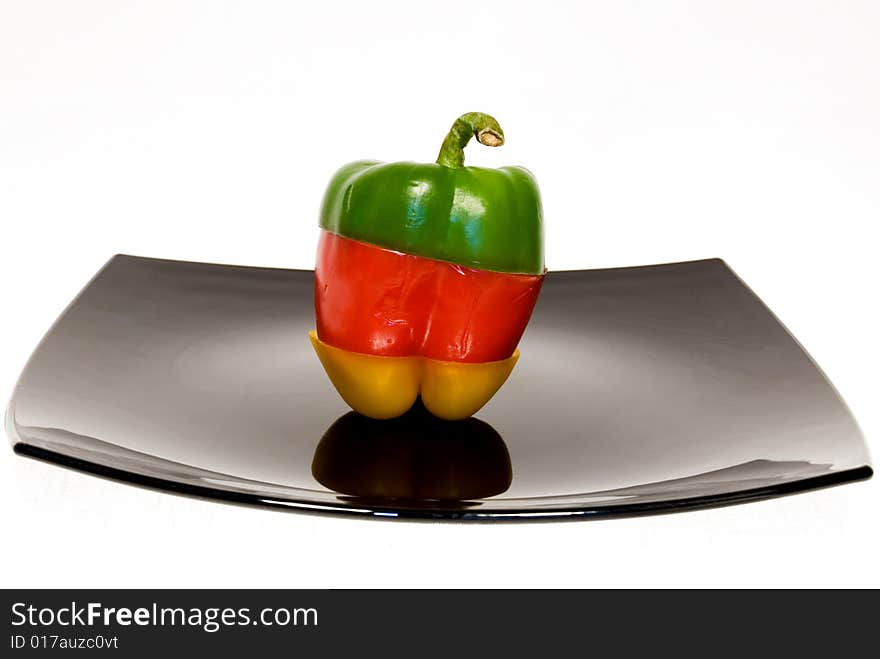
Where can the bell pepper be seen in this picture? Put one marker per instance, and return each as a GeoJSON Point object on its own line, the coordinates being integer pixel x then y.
{"type": "Point", "coordinates": [426, 277]}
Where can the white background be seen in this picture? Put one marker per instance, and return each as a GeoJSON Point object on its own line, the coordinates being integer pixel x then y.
{"type": "Point", "coordinates": [658, 131]}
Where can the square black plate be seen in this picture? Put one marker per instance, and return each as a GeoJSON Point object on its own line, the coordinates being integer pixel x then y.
{"type": "Point", "coordinates": [646, 389]}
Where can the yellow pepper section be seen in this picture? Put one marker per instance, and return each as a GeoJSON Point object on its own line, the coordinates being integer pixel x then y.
{"type": "Point", "coordinates": [386, 387]}
{"type": "Point", "coordinates": [455, 390]}
{"type": "Point", "coordinates": [378, 387]}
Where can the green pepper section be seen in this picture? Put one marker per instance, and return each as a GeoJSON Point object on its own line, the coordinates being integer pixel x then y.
{"type": "Point", "coordinates": [473, 216]}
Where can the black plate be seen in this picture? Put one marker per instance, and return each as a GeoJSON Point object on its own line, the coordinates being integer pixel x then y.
{"type": "Point", "coordinates": [646, 389]}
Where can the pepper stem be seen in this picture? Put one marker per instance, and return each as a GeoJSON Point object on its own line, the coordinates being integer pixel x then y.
{"type": "Point", "coordinates": [473, 124]}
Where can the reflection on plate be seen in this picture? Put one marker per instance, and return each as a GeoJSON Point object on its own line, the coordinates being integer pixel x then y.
{"type": "Point", "coordinates": [412, 461]}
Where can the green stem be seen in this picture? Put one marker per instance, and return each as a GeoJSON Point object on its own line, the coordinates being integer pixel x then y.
{"type": "Point", "coordinates": [473, 124]}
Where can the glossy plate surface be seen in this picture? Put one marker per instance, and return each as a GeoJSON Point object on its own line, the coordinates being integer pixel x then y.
{"type": "Point", "coordinates": [639, 390]}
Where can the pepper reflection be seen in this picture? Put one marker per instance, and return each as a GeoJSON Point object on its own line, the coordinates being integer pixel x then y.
{"type": "Point", "coordinates": [417, 458]}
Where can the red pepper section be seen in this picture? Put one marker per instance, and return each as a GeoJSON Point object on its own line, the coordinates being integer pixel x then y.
{"type": "Point", "coordinates": [381, 302]}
